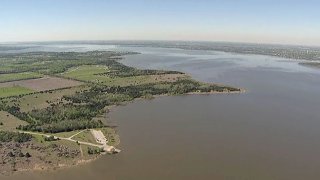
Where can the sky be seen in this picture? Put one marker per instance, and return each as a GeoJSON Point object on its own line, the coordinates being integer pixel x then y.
{"type": "Point", "coordinates": [254, 21]}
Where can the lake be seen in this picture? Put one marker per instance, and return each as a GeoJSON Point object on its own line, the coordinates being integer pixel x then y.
{"type": "Point", "coordinates": [269, 132]}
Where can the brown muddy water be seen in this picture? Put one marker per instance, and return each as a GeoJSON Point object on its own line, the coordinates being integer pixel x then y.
{"type": "Point", "coordinates": [269, 133]}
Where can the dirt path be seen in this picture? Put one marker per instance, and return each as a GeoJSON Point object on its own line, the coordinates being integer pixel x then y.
{"type": "Point", "coordinates": [81, 152]}
{"type": "Point", "coordinates": [76, 134]}
{"type": "Point", "coordinates": [62, 138]}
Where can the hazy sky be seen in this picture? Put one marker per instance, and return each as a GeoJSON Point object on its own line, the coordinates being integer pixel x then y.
{"type": "Point", "coordinates": [262, 21]}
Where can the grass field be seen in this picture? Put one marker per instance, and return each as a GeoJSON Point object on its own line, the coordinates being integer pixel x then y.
{"type": "Point", "coordinates": [138, 80]}
{"type": "Point", "coordinates": [6, 69]}
{"type": "Point", "coordinates": [19, 76]}
{"type": "Point", "coordinates": [112, 136]}
{"type": "Point", "coordinates": [50, 155]}
{"type": "Point", "coordinates": [14, 91]}
{"type": "Point", "coordinates": [66, 134]}
{"type": "Point", "coordinates": [85, 136]}
{"type": "Point", "coordinates": [91, 74]}
{"type": "Point", "coordinates": [85, 73]}
{"type": "Point", "coordinates": [9, 122]}
{"type": "Point", "coordinates": [86, 155]}
{"type": "Point", "coordinates": [43, 100]}
{"type": "Point", "coordinates": [43, 84]}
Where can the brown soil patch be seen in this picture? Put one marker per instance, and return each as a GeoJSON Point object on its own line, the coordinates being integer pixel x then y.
{"type": "Point", "coordinates": [43, 84]}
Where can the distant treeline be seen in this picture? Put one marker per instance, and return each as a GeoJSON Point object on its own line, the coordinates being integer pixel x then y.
{"type": "Point", "coordinates": [54, 62]}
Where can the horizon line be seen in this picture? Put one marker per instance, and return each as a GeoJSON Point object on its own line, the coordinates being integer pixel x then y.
{"type": "Point", "coordinates": [155, 40]}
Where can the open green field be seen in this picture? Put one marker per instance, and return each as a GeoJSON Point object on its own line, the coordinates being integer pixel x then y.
{"type": "Point", "coordinates": [6, 69]}
{"type": "Point", "coordinates": [9, 122]}
{"type": "Point", "coordinates": [110, 133]}
{"type": "Point", "coordinates": [19, 76]}
{"type": "Point", "coordinates": [140, 80]}
{"type": "Point", "coordinates": [66, 134]}
{"type": "Point", "coordinates": [112, 136]}
{"type": "Point", "coordinates": [95, 74]}
{"type": "Point", "coordinates": [86, 155]}
{"type": "Point", "coordinates": [43, 100]}
{"type": "Point", "coordinates": [41, 139]}
{"type": "Point", "coordinates": [85, 136]}
{"type": "Point", "coordinates": [13, 91]}
{"type": "Point", "coordinates": [86, 72]}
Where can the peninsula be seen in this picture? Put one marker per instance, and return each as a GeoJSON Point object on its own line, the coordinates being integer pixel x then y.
{"type": "Point", "coordinates": [53, 104]}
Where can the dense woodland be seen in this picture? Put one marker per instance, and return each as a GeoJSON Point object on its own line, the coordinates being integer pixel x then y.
{"type": "Point", "coordinates": [53, 62]}
{"type": "Point", "coordinates": [15, 137]}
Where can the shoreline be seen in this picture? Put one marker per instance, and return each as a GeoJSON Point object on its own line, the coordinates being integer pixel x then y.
{"type": "Point", "coordinates": [112, 107]}
{"type": "Point", "coordinates": [78, 161]}
{"type": "Point", "coordinates": [41, 168]}
{"type": "Point", "coordinates": [108, 109]}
